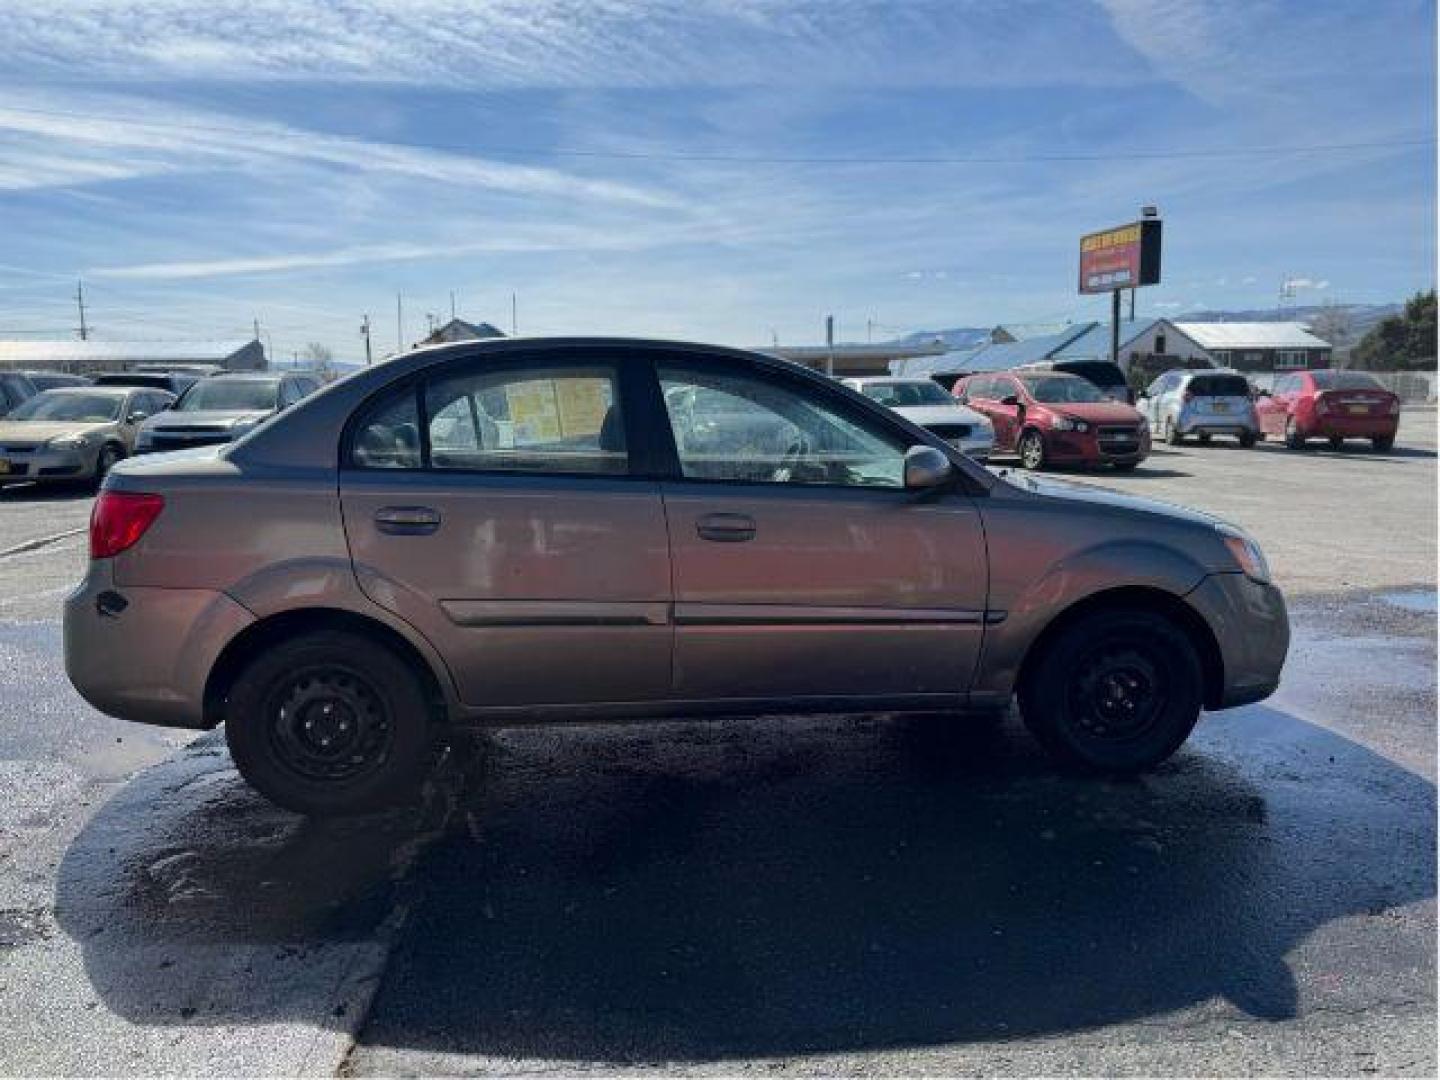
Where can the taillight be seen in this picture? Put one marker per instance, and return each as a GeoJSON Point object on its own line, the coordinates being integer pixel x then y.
{"type": "Point", "coordinates": [119, 519]}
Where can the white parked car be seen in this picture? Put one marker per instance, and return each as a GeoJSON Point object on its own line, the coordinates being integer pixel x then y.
{"type": "Point", "coordinates": [1201, 403]}
{"type": "Point", "coordinates": [927, 403]}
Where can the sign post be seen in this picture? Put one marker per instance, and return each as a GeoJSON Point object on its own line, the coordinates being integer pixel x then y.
{"type": "Point", "coordinates": [1113, 260]}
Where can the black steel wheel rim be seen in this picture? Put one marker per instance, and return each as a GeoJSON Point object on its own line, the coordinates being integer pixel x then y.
{"type": "Point", "coordinates": [329, 723]}
{"type": "Point", "coordinates": [1118, 692]}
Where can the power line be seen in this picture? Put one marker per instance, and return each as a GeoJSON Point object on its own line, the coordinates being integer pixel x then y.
{"type": "Point", "coordinates": [1138, 154]}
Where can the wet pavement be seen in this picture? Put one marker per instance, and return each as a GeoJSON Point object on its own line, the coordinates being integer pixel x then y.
{"type": "Point", "coordinates": [852, 894]}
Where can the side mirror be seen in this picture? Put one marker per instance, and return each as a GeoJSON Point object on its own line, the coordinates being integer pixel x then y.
{"type": "Point", "coordinates": [926, 468]}
{"type": "Point", "coordinates": [1262, 393]}
{"type": "Point", "coordinates": [136, 417]}
{"type": "Point", "coordinates": [1144, 395]}
{"type": "Point", "coordinates": [1013, 400]}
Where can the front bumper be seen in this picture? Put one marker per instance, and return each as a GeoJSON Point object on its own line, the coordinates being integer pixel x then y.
{"type": "Point", "coordinates": [1085, 448]}
{"type": "Point", "coordinates": [1252, 628]}
{"type": "Point", "coordinates": [47, 464]}
{"type": "Point", "coordinates": [144, 654]}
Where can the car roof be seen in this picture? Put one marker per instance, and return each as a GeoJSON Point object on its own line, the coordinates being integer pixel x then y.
{"type": "Point", "coordinates": [98, 389]}
{"type": "Point", "coordinates": [249, 376]}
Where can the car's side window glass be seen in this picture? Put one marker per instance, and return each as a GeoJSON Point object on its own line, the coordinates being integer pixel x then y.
{"type": "Point", "coordinates": [546, 420]}
{"type": "Point", "coordinates": [388, 434]}
{"type": "Point", "coordinates": [733, 426]}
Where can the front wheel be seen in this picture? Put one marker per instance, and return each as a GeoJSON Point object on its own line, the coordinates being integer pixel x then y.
{"type": "Point", "coordinates": [1032, 450]}
{"type": "Point", "coordinates": [330, 723]}
{"type": "Point", "coordinates": [1336, 443]}
{"type": "Point", "coordinates": [1115, 692]}
{"type": "Point", "coordinates": [1383, 442]}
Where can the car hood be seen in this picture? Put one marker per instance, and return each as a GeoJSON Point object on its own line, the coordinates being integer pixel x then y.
{"type": "Point", "coordinates": [925, 415]}
{"type": "Point", "coordinates": [1089, 494]}
{"type": "Point", "coordinates": [38, 431]}
{"type": "Point", "coordinates": [218, 418]}
{"type": "Point", "coordinates": [1097, 412]}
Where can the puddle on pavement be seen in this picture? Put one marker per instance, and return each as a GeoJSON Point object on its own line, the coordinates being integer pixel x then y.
{"type": "Point", "coordinates": [1421, 600]}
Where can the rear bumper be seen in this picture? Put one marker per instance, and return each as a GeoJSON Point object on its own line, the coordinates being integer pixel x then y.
{"type": "Point", "coordinates": [1353, 427]}
{"type": "Point", "coordinates": [144, 654]}
{"type": "Point", "coordinates": [1252, 628]}
{"type": "Point", "coordinates": [1217, 424]}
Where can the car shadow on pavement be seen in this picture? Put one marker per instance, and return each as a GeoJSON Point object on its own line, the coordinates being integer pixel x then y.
{"type": "Point", "coordinates": [756, 888]}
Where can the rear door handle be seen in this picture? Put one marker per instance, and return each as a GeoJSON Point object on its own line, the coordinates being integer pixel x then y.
{"type": "Point", "coordinates": [407, 520]}
{"type": "Point", "coordinates": [726, 528]}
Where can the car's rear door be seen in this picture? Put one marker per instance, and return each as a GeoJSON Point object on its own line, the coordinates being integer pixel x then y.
{"type": "Point", "coordinates": [803, 569]}
{"type": "Point", "coordinates": [499, 508]}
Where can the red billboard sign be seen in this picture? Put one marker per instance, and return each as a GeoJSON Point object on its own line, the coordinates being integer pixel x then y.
{"type": "Point", "coordinates": [1120, 258]}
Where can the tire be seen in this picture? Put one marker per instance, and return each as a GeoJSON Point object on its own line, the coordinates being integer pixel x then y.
{"type": "Point", "coordinates": [1126, 466]}
{"type": "Point", "coordinates": [358, 694]}
{"type": "Point", "coordinates": [105, 461]}
{"type": "Point", "coordinates": [1383, 442]}
{"type": "Point", "coordinates": [1247, 440]}
{"type": "Point", "coordinates": [1336, 442]}
{"type": "Point", "coordinates": [1080, 697]}
{"type": "Point", "coordinates": [1032, 450]}
{"type": "Point", "coordinates": [1293, 439]}
{"type": "Point", "coordinates": [1172, 433]}
{"type": "Point", "coordinates": [1204, 438]}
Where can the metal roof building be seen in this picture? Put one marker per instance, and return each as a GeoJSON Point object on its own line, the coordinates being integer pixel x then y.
{"type": "Point", "coordinates": [84, 356]}
{"type": "Point", "coordinates": [1251, 335]}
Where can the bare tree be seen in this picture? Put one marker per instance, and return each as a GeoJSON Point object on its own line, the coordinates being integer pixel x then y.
{"type": "Point", "coordinates": [1334, 323]}
{"type": "Point", "coordinates": [321, 356]}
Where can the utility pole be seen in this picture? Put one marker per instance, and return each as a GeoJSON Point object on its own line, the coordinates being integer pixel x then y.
{"type": "Point", "coordinates": [365, 331]}
{"type": "Point", "coordinates": [830, 345]}
{"type": "Point", "coordinates": [1132, 305]}
{"type": "Point", "coordinates": [452, 303]}
{"type": "Point", "coordinates": [399, 325]}
{"type": "Point", "coordinates": [514, 323]}
{"type": "Point", "coordinates": [80, 302]}
{"type": "Point", "coordinates": [870, 329]}
{"type": "Point", "coordinates": [256, 323]}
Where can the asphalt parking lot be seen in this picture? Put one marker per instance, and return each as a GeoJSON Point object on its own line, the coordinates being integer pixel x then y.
{"type": "Point", "coordinates": [847, 894]}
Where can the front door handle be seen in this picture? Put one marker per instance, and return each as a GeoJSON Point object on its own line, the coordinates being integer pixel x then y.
{"type": "Point", "coordinates": [407, 520]}
{"type": "Point", "coordinates": [726, 528]}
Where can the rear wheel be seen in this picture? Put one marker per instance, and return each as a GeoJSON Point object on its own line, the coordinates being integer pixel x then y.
{"type": "Point", "coordinates": [1115, 692]}
{"type": "Point", "coordinates": [329, 723]}
{"type": "Point", "coordinates": [1204, 438]}
{"type": "Point", "coordinates": [1336, 442]}
{"type": "Point", "coordinates": [1032, 450]}
{"type": "Point", "coordinates": [1293, 439]}
{"type": "Point", "coordinates": [1247, 439]}
{"type": "Point", "coordinates": [1383, 442]}
{"type": "Point", "coordinates": [1126, 466]}
{"type": "Point", "coordinates": [1172, 433]}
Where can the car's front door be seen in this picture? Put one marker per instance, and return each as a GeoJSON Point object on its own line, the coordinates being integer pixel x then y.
{"type": "Point", "coordinates": [496, 509]}
{"type": "Point", "coordinates": [803, 568]}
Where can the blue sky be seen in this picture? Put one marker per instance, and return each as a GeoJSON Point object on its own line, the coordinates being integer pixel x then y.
{"type": "Point", "coordinates": [725, 170]}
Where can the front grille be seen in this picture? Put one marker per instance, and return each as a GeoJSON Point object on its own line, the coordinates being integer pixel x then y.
{"type": "Point", "coordinates": [169, 441]}
{"type": "Point", "coordinates": [1124, 439]}
{"type": "Point", "coordinates": [192, 429]}
{"type": "Point", "coordinates": [951, 432]}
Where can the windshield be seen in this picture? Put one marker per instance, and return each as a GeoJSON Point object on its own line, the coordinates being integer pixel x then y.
{"type": "Point", "coordinates": [1060, 389]}
{"type": "Point", "coordinates": [54, 406]}
{"type": "Point", "coordinates": [1345, 380]}
{"type": "Point", "coordinates": [1219, 386]}
{"type": "Point", "coordinates": [901, 395]}
{"type": "Point", "coordinates": [222, 395]}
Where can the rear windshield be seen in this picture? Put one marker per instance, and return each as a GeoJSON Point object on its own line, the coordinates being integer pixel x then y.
{"type": "Point", "coordinates": [900, 395]}
{"type": "Point", "coordinates": [1095, 371]}
{"type": "Point", "coordinates": [242, 395]}
{"type": "Point", "coordinates": [1057, 389]}
{"type": "Point", "coordinates": [62, 406]}
{"type": "Point", "coordinates": [157, 382]}
{"type": "Point", "coordinates": [1345, 380]}
{"type": "Point", "coordinates": [1220, 386]}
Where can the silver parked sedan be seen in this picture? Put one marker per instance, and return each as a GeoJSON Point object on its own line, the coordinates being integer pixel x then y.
{"type": "Point", "coordinates": [517, 531]}
{"type": "Point", "coordinates": [74, 433]}
{"type": "Point", "coordinates": [927, 403]}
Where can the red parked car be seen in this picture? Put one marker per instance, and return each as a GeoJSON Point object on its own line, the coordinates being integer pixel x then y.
{"type": "Point", "coordinates": [1053, 419]}
{"type": "Point", "coordinates": [1333, 405]}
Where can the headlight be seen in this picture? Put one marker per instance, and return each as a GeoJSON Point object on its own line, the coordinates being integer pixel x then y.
{"type": "Point", "coordinates": [1246, 552]}
{"type": "Point", "coordinates": [1064, 423]}
{"type": "Point", "coordinates": [68, 442]}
